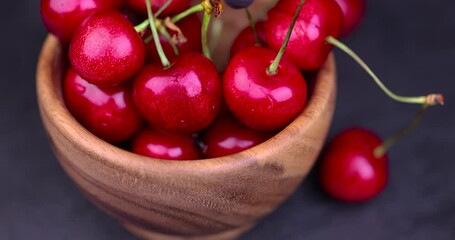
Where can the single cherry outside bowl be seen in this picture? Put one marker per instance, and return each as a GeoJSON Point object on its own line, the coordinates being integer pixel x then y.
{"type": "Point", "coordinates": [219, 198]}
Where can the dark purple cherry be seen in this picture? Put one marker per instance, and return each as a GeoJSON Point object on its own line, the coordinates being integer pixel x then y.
{"type": "Point", "coordinates": [181, 98]}
{"type": "Point", "coordinates": [153, 143]}
{"type": "Point", "coordinates": [239, 3]}
{"type": "Point", "coordinates": [107, 112]}
{"type": "Point", "coordinates": [106, 50]}
{"type": "Point", "coordinates": [261, 100]}
{"type": "Point", "coordinates": [63, 17]}
{"type": "Point", "coordinates": [317, 20]}
{"type": "Point", "coordinates": [226, 136]}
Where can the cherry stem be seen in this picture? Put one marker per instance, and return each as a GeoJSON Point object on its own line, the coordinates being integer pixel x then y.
{"type": "Point", "coordinates": [431, 99]}
{"type": "Point", "coordinates": [204, 30]}
{"type": "Point", "coordinates": [272, 69]}
{"type": "Point", "coordinates": [388, 143]}
{"type": "Point", "coordinates": [253, 26]}
{"type": "Point", "coordinates": [168, 37]}
{"type": "Point", "coordinates": [142, 26]}
{"type": "Point", "coordinates": [165, 33]}
{"type": "Point", "coordinates": [164, 60]}
{"type": "Point", "coordinates": [163, 7]}
{"type": "Point", "coordinates": [194, 9]}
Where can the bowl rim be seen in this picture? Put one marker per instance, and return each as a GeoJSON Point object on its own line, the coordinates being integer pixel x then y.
{"type": "Point", "coordinates": [51, 105]}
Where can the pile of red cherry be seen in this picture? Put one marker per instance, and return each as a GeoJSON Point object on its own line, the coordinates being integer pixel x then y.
{"type": "Point", "coordinates": [116, 81]}
{"type": "Point", "coordinates": [169, 101]}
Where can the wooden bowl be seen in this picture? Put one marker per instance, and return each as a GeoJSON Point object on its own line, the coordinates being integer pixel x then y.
{"type": "Point", "coordinates": [218, 198]}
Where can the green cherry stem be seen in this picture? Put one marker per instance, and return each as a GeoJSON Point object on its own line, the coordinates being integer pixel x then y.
{"type": "Point", "coordinates": [162, 8]}
{"type": "Point", "coordinates": [142, 26]}
{"type": "Point", "coordinates": [168, 37]}
{"type": "Point", "coordinates": [210, 7]}
{"type": "Point", "coordinates": [253, 26]}
{"type": "Point", "coordinates": [204, 31]}
{"type": "Point", "coordinates": [272, 69]}
{"type": "Point", "coordinates": [165, 33]}
{"type": "Point", "coordinates": [388, 143]}
{"type": "Point", "coordinates": [164, 60]}
{"type": "Point", "coordinates": [431, 99]}
{"type": "Point", "coordinates": [194, 9]}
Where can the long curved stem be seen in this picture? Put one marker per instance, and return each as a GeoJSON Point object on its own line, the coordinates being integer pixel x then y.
{"type": "Point", "coordinates": [431, 99]}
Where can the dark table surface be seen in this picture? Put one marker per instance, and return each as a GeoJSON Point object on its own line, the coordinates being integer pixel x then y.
{"type": "Point", "coordinates": [410, 45]}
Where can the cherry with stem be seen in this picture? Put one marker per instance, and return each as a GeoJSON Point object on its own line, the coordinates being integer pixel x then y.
{"type": "Point", "coordinates": [317, 20]}
{"type": "Point", "coordinates": [264, 90]}
{"type": "Point", "coordinates": [354, 168]}
{"type": "Point", "coordinates": [182, 97]}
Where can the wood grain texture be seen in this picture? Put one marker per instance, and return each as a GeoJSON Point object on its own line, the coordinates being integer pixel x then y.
{"type": "Point", "coordinates": [217, 198]}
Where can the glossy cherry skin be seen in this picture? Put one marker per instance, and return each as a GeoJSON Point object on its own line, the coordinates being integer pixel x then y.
{"type": "Point", "coordinates": [246, 38]}
{"type": "Point", "coordinates": [183, 98]}
{"type": "Point", "coordinates": [353, 12]}
{"type": "Point", "coordinates": [193, 43]}
{"type": "Point", "coordinates": [257, 99]}
{"type": "Point", "coordinates": [153, 143]}
{"type": "Point", "coordinates": [106, 50]}
{"type": "Point", "coordinates": [226, 136]}
{"type": "Point", "coordinates": [175, 7]}
{"type": "Point", "coordinates": [107, 112]}
{"type": "Point", "coordinates": [349, 170]}
{"type": "Point", "coordinates": [63, 17]}
{"type": "Point", "coordinates": [317, 20]}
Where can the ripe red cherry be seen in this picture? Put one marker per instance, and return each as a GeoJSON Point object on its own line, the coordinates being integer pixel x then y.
{"type": "Point", "coordinates": [226, 136]}
{"type": "Point", "coordinates": [349, 170]}
{"type": "Point", "coordinates": [247, 39]}
{"type": "Point", "coordinates": [182, 98]}
{"type": "Point", "coordinates": [193, 43]}
{"type": "Point", "coordinates": [152, 143]}
{"type": "Point", "coordinates": [107, 112]}
{"type": "Point", "coordinates": [353, 12]}
{"type": "Point", "coordinates": [317, 20]}
{"type": "Point", "coordinates": [260, 100]}
{"type": "Point", "coordinates": [63, 17]}
{"type": "Point", "coordinates": [175, 7]}
{"type": "Point", "coordinates": [106, 50]}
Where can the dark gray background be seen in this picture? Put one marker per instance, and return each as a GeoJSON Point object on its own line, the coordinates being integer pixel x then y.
{"type": "Point", "coordinates": [410, 45]}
